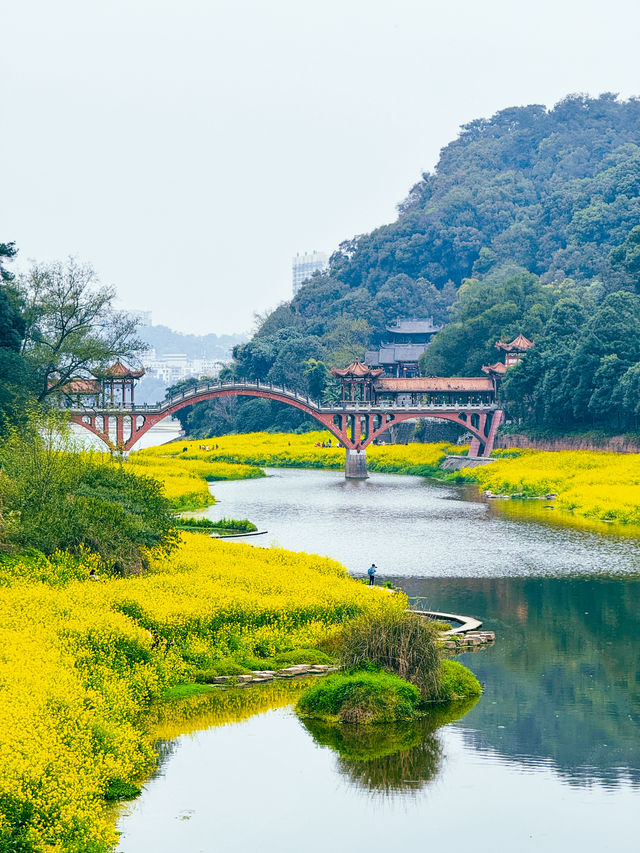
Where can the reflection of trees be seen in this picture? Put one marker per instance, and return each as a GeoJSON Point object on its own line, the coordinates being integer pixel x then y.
{"type": "Point", "coordinates": [391, 756]}
{"type": "Point", "coordinates": [563, 679]}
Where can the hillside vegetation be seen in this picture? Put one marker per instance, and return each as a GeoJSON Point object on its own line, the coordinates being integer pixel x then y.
{"type": "Point", "coordinates": [526, 224]}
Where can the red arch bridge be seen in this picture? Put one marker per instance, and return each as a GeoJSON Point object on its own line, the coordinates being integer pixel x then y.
{"type": "Point", "coordinates": [354, 423]}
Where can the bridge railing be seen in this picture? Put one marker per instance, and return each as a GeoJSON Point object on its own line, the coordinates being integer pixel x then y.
{"type": "Point", "coordinates": [346, 407]}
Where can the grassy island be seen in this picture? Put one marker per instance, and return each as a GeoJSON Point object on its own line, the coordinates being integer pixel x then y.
{"type": "Point", "coordinates": [392, 671]}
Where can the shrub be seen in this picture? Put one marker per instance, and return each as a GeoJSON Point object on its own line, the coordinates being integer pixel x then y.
{"type": "Point", "coordinates": [289, 658]}
{"type": "Point", "coordinates": [396, 641]}
{"type": "Point", "coordinates": [64, 500]}
{"type": "Point", "coordinates": [360, 697]}
{"type": "Point", "coordinates": [457, 682]}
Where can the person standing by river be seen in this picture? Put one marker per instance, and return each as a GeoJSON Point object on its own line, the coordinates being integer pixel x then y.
{"type": "Point", "coordinates": [372, 574]}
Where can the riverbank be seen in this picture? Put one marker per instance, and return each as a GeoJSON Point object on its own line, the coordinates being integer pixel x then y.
{"type": "Point", "coordinates": [290, 450]}
{"type": "Point", "coordinates": [83, 661]}
{"type": "Point", "coordinates": [588, 485]}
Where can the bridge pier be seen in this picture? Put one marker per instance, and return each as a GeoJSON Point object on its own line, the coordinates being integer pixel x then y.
{"type": "Point", "coordinates": [355, 465]}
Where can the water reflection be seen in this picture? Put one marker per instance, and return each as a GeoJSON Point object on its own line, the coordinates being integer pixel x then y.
{"type": "Point", "coordinates": [389, 758]}
{"type": "Point", "coordinates": [562, 683]}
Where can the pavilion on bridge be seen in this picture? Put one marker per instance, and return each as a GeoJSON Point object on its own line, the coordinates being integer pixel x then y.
{"type": "Point", "coordinates": [356, 382]}
{"type": "Point", "coordinates": [112, 387]}
{"type": "Point", "coordinates": [362, 384]}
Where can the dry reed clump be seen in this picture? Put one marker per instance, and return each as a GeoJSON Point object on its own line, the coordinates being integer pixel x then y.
{"type": "Point", "coordinates": [399, 642]}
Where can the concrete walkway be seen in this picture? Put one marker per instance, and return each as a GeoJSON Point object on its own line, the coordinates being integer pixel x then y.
{"type": "Point", "coordinates": [463, 623]}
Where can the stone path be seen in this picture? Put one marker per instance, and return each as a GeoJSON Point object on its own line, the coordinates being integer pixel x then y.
{"type": "Point", "coordinates": [260, 676]}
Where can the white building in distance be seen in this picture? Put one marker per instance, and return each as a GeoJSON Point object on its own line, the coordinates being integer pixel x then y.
{"type": "Point", "coordinates": [304, 266]}
{"type": "Point", "coordinates": [172, 367]}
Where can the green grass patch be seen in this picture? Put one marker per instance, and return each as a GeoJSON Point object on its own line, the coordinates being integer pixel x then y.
{"type": "Point", "coordinates": [184, 691]}
{"type": "Point", "coordinates": [235, 525]}
{"type": "Point", "coordinates": [290, 658]}
{"type": "Point", "coordinates": [457, 682]}
{"type": "Point", "coordinates": [360, 697]}
{"type": "Point", "coordinates": [120, 789]}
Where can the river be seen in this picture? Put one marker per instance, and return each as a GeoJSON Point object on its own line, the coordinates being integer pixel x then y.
{"type": "Point", "coordinates": [548, 759]}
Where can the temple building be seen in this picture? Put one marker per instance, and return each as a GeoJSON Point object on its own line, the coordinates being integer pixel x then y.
{"type": "Point", "coordinates": [513, 352]}
{"type": "Point", "coordinates": [404, 343]}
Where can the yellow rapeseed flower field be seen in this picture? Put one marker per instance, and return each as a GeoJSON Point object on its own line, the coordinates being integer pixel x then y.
{"type": "Point", "coordinates": [81, 662]}
{"type": "Point", "coordinates": [592, 485]}
{"type": "Point", "coordinates": [186, 481]}
{"type": "Point", "coordinates": [300, 451]}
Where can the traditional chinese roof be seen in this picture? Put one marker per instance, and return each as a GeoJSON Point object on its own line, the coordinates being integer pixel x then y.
{"type": "Point", "coordinates": [519, 344]}
{"type": "Point", "coordinates": [498, 368]}
{"type": "Point", "coordinates": [395, 354]}
{"type": "Point", "coordinates": [118, 370]}
{"type": "Point", "coordinates": [414, 327]}
{"type": "Point", "coordinates": [356, 370]}
{"type": "Point", "coordinates": [83, 386]}
{"type": "Point", "coordinates": [434, 384]}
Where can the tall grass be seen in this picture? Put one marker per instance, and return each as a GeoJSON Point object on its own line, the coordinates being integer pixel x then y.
{"type": "Point", "coordinates": [399, 642]}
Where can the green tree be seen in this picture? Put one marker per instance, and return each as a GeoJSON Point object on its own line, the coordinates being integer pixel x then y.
{"type": "Point", "coordinates": [16, 377]}
{"type": "Point", "coordinates": [627, 255]}
{"type": "Point", "coordinates": [71, 324]}
{"type": "Point", "coordinates": [7, 251]}
{"type": "Point", "coordinates": [318, 376]}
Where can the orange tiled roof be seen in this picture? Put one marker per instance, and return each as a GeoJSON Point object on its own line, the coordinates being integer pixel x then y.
{"type": "Point", "coordinates": [519, 344]}
{"type": "Point", "coordinates": [357, 370]}
{"type": "Point", "coordinates": [83, 386]}
{"type": "Point", "coordinates": [435, 384]}
{"type": "Point", "coordinates": [498, 367]}
{"type": "Point", "coordinates": [119, 371]}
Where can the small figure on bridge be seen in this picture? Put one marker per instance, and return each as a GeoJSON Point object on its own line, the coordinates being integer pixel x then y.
{"type": "Point", "coordinates": [372, 574]}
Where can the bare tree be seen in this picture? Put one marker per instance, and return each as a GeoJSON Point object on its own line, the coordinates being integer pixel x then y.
{"type": "Point", "coordinates": [72, 326]}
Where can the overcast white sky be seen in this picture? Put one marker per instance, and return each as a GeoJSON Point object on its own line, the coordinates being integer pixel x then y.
{"type": "Point", "coordinates": [189, 148]}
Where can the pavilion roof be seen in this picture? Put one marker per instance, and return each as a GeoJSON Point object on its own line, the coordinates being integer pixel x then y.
{"type": "Point", "coordinates": [357, 370]}
{"type": "Point", "coordinates": [519, 344]}
{"type": "Point", "coordinates": [435, 384]}
{"type": "Point", "coordinates": [83, 386]}
{"type": "Point", "coordinates": [499, 367]}
{"type": "Point", "coordinates": [118, 370]}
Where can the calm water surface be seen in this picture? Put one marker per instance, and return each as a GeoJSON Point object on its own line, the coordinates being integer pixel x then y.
{"type": "Point", "coordinates": [548, 759]}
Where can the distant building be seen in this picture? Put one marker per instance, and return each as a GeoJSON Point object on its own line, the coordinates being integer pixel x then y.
{"type": "Point", "coordinates": [404, 343]}
{"type": "Point", "coordinates": [304, 266]}
{"type": "Point", "coordinates": [173, 367]}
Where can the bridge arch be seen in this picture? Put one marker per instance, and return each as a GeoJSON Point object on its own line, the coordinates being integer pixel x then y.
{"type": "Point", "coordinates": [355, 426]}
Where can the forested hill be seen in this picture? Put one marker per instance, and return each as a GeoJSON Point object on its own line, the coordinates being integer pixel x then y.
{"type": "Point", "coordinates": [555, 193]}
